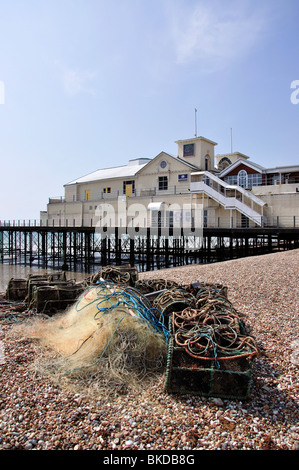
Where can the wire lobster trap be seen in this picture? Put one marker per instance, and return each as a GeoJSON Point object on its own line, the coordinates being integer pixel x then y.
{"type": "Point", "coordinates": [210, 352]}
{"type": "Point", "coordinates": [126, 274]}
{"type": "Point", "coordinates": [50, 299]}
{"type": "Point", "coordinates": [174, 299]}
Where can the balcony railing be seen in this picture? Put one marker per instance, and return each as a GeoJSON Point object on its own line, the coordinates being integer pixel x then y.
{"type": "Point", "coordinates": [56, 200]}
{"type": "Point", "coordinates": [178, 189]}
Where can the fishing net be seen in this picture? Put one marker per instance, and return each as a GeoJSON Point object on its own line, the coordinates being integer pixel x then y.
{"type": "Point", "coordinates": [111, 335]}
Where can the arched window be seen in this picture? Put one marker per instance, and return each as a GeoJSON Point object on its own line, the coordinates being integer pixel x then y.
{"type": "Point", "coordinates": [224, 163]}
{"type": "Point", "coordinates": [207, 162]}
{"type": "Point", "coordinates": [243, 178]}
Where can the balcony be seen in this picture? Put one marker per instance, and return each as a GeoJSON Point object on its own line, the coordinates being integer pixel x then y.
{"type": "Point", "coordinates": [56, 200]}
{"type": "Point", "coordinates": [178, 189]}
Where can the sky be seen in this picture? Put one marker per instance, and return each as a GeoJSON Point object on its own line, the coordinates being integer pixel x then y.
{"type": "Point", "coordinates": [89, 84]}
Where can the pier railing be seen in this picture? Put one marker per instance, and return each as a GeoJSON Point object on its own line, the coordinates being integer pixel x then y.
{"type": "Point", "coordinates": [218, 222]}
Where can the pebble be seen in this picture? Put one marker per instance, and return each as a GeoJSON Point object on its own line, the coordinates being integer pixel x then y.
{"type": "Point", "coordinates": [39, 414]}
{"type": "Point", "coordinates": [129, 443]}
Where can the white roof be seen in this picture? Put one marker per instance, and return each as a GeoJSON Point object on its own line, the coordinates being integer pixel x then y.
{"type": "Point", "coordinates": [283, 169]}
{"type": "Point", "coordinates": [125, 171]}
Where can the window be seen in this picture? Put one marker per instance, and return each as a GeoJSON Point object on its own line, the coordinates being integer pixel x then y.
{"type": "Point", "coordinates": [207, 162]}
{"type": "Point", "coordinates": [243, 179]}
{"type": "Point", "coordinates": [129, 188]}
{"type": "Point", "coordinates": [163, 183]}
{"type": "Point", "coordinates": [170, 218]}
{"type": "Point", "coordinates": [224, 163]}
{"type": "Point", "coordinates": [205, 218]}
{"type": "Point", "coordinates": [232, 179]}
{"type": "Point", "coordinates": [107, 190]}
{"type": "Point", "coordinates": [188, 150]}
{"type": "Point", "coordinates": [158, 218]}
{"type": "Point", "coordinates": [206, 180]}
{"type": "Point", "coordinates": [87, 195]}
{"type": "Point", "coordinates": [244, 221]}
{"type": "Point", "coordinates": [275, 179]}
{"type": "Point", "coordinates": [255, 179]}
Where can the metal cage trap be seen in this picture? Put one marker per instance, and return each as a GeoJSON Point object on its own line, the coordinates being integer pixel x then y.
{"type": "Point", "coordinates": [210, 352]}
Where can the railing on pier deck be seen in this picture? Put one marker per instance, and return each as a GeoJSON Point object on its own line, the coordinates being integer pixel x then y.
{"type": "Point", "coordinates": [219, 222]}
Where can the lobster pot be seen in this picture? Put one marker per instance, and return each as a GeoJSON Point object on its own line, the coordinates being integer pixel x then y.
{"type": "Point", "coordinates": [147, 286]}
{"type": "Point", "coordinates": [228, 377]}
{"type": "Point", "coordinates": [59, 276]}
{"type": "Point", "coordinates": [33, 284]}
{"type": "Point", "coordinates": [52, 276]}
{"type": "Point", "coordinates": [49, 299]}
{"type": "Point", "coordinates": [34, 280]}
{"type": "Point", "coordinates": [126, 275]}
{"type": "Point", "coordinates": [16, 289]}
{"type": "Point", "coordinates": [205, 288]}
{"type": "Point", "coordinates": [173, 300]}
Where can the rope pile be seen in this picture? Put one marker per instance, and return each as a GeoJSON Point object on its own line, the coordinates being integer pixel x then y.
{"type": "Point", "coordinates": [174, 299]}
{"type": "Point", "coordinates": [153, 285]}
{"type": "Point", "coordinates": [14, 312]}
{"type": "Point", "coordinates": [120, 274]}
{"type": "Point", "coordinates": [112, 274]}
{"type": "Point", "coordinates": [213, 330]}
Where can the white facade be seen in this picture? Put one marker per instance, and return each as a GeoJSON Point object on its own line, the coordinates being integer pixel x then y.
{"type": "Point", "coordinates": [194, 187]}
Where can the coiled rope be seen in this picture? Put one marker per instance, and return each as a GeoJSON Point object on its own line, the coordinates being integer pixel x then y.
{"type": "Point", "coordinates": [214, 331]}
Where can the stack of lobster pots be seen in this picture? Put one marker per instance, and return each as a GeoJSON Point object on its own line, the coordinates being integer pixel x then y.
{"type": "Point", "coordinates": [210, 350]}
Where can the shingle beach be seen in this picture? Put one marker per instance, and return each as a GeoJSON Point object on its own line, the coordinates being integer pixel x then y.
{"type": "Point", "coordinates": [37, 414]}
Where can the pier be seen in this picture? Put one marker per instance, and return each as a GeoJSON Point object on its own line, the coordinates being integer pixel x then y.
{"type": "Point", "coordinates": [83, 249]}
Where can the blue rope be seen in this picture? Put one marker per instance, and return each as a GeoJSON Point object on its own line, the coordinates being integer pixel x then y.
{"type": "Point", "coordinates": [126, 298]}
{"type": "Point", "coordinates": [201, 334]}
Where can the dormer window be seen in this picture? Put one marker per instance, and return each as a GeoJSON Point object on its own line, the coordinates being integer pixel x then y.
{"type": "Point", "coordinates": [224, 163]}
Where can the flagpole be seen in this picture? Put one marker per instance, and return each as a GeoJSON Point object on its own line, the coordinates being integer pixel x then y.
{"type": "Point", "coordinates": [195, 123]}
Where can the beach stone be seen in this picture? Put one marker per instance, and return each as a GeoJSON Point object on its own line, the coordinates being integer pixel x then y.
{"type": "Point", "coordinates": [38, 412]}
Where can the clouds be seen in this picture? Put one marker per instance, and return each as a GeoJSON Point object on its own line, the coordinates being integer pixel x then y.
{"type": "Point", "coordinates": [212, 36]}
{"type": "Point", "coordinates": [76, 81]}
